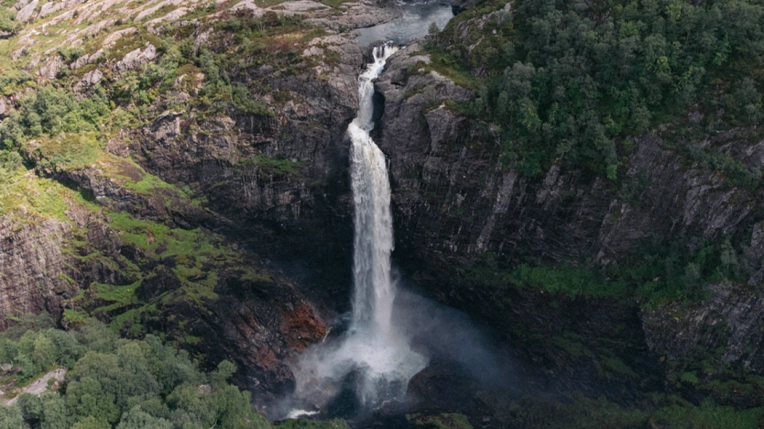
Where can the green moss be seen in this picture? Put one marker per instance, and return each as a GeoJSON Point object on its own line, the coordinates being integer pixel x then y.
{"type": "Point", "coordinates": [256, 276]}
{"type": "Point", "coordinates": [148, 185]}
{"type": "Point", "coordinates": [190, 339]}
{"type": "Point", "coordinates": [568, 280]}
{"type": "Point", "coordinates": [615, 365]}
{"type": "Point", "coordinates": [572, 344]}
{"type": "Point", "coordinates": [269, 166]}
{"type": "Point", "coordinates": [131, 321]}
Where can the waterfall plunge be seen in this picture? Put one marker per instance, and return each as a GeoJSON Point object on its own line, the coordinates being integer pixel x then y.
{"type": "Point", "coordinates": [373, 349]}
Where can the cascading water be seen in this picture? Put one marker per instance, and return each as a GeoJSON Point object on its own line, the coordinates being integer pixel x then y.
{"type": "Point", "coordinates": [374, 349]}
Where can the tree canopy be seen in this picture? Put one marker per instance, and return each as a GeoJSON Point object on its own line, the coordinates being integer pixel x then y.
{"type": "Point", "coordinates": [119, 383]}
{"type": "Point", "coordinates": [572, 80]}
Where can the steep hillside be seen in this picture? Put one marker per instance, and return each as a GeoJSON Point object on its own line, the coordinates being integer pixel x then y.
{"type": "Point", "coordinates": [155, 153]}
{"type": "Point", "coordinates": [619, 262]}
{"type": "Point", "coordinates": [583, 179]}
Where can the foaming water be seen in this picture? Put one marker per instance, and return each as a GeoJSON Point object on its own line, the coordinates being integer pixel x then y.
{"type": "Point", "coordinates": [374, 350]}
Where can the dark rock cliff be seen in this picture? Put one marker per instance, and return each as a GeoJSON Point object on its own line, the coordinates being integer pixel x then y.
{"type": "Point", "coordinates": [455, 201]}
{"type": "Point", "coordinates": [272, 189]}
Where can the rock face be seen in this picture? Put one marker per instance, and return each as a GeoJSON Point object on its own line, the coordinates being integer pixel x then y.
{"type": "Point", "coordinates": [455, 201]}
{"type": "Point", "coordinates": [454, 198]}
{"type": "Point", "coordinates": [271, 187]}
{"type": "Point", "coordinates": [280, 179]}
{"type": "Point", "coordinates": [32, 265]}
{"type": "Point", "coordinates": [274, 183]}
{"type": "Point", "coordinates": [730, 320]}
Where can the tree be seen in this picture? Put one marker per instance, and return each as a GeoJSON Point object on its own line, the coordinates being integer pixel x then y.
{"type": "Point", "coordinates": [54, 413]}
{"type": "Point", "coordinates": [45, 352]}
{"type": "Point", "coordinates": [91, 422]}
{"type": "Point", "coordinates": [10, 418]}
{"type": "Point", "coordinates": [86, 397]}
{"type": "Point", "coordinates": [138, 419]}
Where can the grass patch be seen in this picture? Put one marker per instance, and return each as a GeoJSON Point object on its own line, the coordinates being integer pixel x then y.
{"type": "Point", "coordinates": [269, 166]}
{"type": "Point", "coordinates": [123, 295]}
{"type": "Point", "coordinates": [75, 318]}
{"type": "Point", "coordinates": [448, 67]}
{"type": "Point", "coordinates": [67, 151]}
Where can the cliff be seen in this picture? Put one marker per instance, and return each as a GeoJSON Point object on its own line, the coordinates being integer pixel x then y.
{"type": "Point", "coordinates": [209, 200]}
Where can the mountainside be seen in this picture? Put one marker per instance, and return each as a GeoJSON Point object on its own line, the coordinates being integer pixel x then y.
{"type": "Point", "coordinates": [583, 180]}
{"type": "Point", "coordinates": [145, 161]}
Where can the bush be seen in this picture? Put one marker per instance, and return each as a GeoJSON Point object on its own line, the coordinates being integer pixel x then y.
{"type": "Point", "coordinates": [121, 383]}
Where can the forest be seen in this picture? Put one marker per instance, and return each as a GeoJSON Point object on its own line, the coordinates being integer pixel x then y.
{"type": "Point", "coordinates": [577, 81]}
{"type": "Point", "coordinates": [118, 383]}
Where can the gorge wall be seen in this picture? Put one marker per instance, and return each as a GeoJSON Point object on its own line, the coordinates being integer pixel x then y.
{"type": "Point", "coordinates": [262, 192]}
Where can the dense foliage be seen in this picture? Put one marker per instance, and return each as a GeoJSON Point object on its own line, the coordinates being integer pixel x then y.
{"type": "Point", "coordinates": [572, 80]}
{"type": "Point", "coordinates": [51, 111]}
{"type": "Point", "coordinates": [118, 383]}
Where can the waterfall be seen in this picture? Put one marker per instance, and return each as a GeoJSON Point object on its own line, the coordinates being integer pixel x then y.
{"type": "Point", "coordinates": [373, 240]}
{"type": "Point", "coordinates": [374, 348]}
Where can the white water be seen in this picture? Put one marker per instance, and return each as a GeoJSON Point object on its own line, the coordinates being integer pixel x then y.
{"type": "Point", "coordinates": [374, 348]}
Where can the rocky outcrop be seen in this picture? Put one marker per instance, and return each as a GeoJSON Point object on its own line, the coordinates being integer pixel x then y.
{"type": "Point", "coordinates": [455, 198]}
{"type": "Point", "coordinates": [279, 177]}
{"type": "Point", "coordinates": [33, 268]}
{"type": "Point", "coordinates": [136, 58]}
{"type": "Point", "coordinates": [272, 179]}
{"type": "Point", "coordinates": [258, 325]}
{"type": "Point", "coordinates": [729, 321]}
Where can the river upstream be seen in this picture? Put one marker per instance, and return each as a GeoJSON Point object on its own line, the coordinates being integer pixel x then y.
{"type": "Point", "coordinates": [413, 24]}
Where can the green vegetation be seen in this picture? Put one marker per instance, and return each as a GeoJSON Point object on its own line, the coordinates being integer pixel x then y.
{"type": "Point", "coordinates": [654, 275]}
{"type": "Point", "coordinates": [570, 81]}
{"type": "Point", "coordinates": [8, 22]}
{"type": "Point", "coordinates": [191, 264]}
{"type": "Point", "coordinates": [117, 383]}
{"type": "Point", "coordinates": [66, 151]}
{"type": "Point", "coordinates": [663, 411]}
{"type": "Point", "coordinates": [35, 197]}
{"type": "Point", "coordinates": [51, 111]}
{"type": "Point", "coordinates": [270, 166]}
{"type": "Point", "coordinates": [441, 421]}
